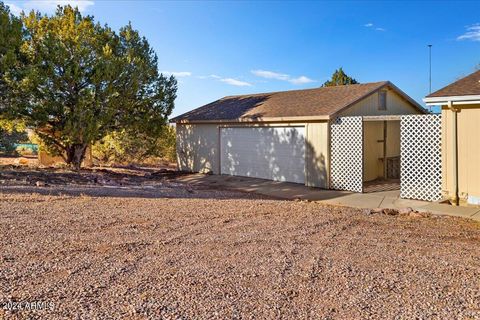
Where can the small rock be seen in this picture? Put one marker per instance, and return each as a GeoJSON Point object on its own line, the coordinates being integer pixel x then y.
{"type": "Point", "coordinates": [376, 210]}
{"type": "Point", "coordinates": [206, 171]}
{"type": "Point", "coordinates": [405, 211]}
{"type": "Point", "coordinates": [21, 161]}
{"type": "Point", "coordinates": [367, 211]}
{"type": "Point", "coordinates": [390, 212]}
{"type": "Point", "coordinates": [416, 214]}
{"type": "Point", "coordinates": [40, 184]}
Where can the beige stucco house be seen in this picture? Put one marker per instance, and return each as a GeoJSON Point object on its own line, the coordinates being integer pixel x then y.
{"type": "Point", "coordinates": [460, 102]}
{"type": "Point", "coordinates": [286, 136]}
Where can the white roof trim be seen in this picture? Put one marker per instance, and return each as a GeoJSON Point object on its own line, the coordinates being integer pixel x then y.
{"type": "Point", "coordinates": [457, 99]}
{"type": "Point", "coordinates": [260, 119]}
{"type": "Point", "coordinates": [388, 117]}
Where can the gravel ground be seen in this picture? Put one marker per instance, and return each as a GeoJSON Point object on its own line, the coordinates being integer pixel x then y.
{"type": "Point", "coordinates": [170, 251]}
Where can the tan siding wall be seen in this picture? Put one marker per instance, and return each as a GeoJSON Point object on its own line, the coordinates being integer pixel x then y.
{"type": "Point", "coordinates": [468, 152]}
{"type": "Point", "coordinates": [317, 155]}
{"type": "Point", "coordinates": [369, 106]}
{"type": "Point", "coordinates": [393, 138]}
{"type": "Point", "coordinates": [197, 147]}
{"type": "Point", "coordinates": [372, 150]}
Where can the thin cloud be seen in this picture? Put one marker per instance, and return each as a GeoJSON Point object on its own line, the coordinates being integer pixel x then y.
{"type": "Point", "coordinates": [281, 76]}
{"type": "Point", "coordinates": [14, 9]}
{"type": "Point", "coordinates": [472, 33]}
{"type": "Point", "coordinates": [178, 74]}
{"type": "Point", "coordinates": [235, 82]}
{"type": "Point", "coordinates": [49, 6]}
{"type": "Point", "coordinates": [301, 80]}
{"type": "Point", "coordinates": [230, 81]}
{"type": "Point", "coordinates": [373, 27]}
{"type": "Point", "coordinates": [270, 75]}
{"type": "Point", "coordinates": [212, 76]}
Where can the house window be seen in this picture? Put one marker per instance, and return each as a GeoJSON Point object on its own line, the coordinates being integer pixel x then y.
{"type": "Point", "coordinates": [382, 100]}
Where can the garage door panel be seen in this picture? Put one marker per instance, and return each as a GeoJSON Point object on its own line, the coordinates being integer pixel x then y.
{"type": "Point", "coordinates": [274, 153]}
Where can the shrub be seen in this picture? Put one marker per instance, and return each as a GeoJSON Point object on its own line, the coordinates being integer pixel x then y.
{"type": "Point", "coordinates": [124, 147]}
{"type": "Point", "coordinates": [11, 134]}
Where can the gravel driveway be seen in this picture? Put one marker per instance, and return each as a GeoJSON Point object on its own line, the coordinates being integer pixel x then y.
{"type": "Point", "coordinates": [198, 254]}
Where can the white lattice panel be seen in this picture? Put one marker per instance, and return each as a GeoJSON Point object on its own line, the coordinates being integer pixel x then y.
{"type": "Point", "coordinates": [346, 134]}
{"type": "Point", "coordinates": [421, 157]}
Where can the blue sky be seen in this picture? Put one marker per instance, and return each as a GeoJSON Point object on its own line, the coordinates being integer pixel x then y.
{"type": "Point", "coordinates": [225, 48]}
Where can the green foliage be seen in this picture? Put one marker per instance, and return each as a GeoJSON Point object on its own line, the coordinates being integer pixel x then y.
{"type": "Point", "coordinates": [10, 42]}
{"type": "Point", "coordinates": [81, 81]}
{"type": "Point", "coordinates": [127, 147]}
{"type": "Point", "coordinates": [11, 133]}
{"type": "Point", "coordinates": [339, 78]}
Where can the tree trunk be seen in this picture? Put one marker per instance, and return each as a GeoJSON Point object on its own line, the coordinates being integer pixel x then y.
{"type": "Point", "coordinates": [76, 154]}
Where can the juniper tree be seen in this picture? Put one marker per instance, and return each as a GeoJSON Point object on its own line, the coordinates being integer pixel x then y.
{"type": "Point", "coordinates": [81, 80]}
{"type": "Point", "coordinates": [339, 78]}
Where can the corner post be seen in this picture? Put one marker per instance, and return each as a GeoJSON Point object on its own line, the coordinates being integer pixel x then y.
{"type": "Point", "coordinates": [456, 199]}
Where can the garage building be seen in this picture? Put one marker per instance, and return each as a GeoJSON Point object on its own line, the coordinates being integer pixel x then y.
{"type": "Point", "coordinates": [301, 136]}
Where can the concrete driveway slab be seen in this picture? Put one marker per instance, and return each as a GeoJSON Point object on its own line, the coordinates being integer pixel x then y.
{"type": "Point", "coordinates": [294, 191]}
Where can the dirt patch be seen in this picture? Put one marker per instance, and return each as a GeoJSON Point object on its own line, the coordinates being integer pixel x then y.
{"type": "Point", "coordinates": [116, 176]}
{"type": "Point", "coordinates": [175, 251]}
{"type": "Point", "coordinates": [31, 161]}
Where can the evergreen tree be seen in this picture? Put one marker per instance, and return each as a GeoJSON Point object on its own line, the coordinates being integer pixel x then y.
{"type": "Point", "coordinates": [339, 78]}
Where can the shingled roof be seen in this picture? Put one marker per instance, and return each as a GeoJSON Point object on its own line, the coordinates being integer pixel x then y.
{"type": "Point", "coordinates": [316, 102]}
{"type": "Point", "coordinates": [468, 86]}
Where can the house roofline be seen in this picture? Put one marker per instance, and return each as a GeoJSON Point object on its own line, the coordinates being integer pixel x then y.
{"type": "Point", "coordinates": [408, 98]}
{"type": "Point", "coordinates": [389, 84]}
{"type": "Point", "coordinates": [385, 84]}
{"type": "Point", "coordinates": [260, 119]}
{"type": "Point", "coordinates": [435, 101]}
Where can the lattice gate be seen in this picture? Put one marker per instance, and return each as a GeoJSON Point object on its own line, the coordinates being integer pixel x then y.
{"type": "Point", "coordinates": [346, 140]}
{"type": "Point", "coordinates": [421, 157]}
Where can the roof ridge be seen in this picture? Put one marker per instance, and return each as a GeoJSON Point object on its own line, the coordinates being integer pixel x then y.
{"type": "Point", "coordinates": [307, 89]}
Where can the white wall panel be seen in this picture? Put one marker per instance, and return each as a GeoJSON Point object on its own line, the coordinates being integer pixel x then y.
{"type": "Point", "coordinates": [273, 153]}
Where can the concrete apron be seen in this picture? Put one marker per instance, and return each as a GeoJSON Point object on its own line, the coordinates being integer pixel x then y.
{"type": "Point", "coordinates": [293, 191]}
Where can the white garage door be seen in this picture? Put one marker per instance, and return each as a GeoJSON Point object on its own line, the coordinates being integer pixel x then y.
{"type": "Point", "coordinates": [273, 153]}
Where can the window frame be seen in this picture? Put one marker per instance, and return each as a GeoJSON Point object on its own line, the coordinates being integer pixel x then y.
{"type": "Point", "coordinates": [382, 107]}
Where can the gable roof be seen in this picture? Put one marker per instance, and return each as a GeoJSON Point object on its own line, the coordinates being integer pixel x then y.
{"type": "Point", "coordinates": [321, 103]}
{"type": "Point", "coordinates": [467, 86]}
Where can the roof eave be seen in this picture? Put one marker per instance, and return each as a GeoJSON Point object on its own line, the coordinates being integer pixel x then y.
{"type": "Point", "coordinates": [260, 119]}
{"type": "Point", "coordinates": [435, 101]}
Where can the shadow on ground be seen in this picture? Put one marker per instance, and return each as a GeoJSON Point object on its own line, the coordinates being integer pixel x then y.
{"type": "Point", "coordinates": [122, 182]}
